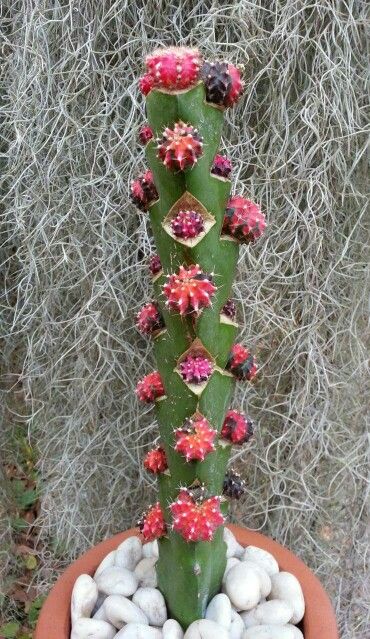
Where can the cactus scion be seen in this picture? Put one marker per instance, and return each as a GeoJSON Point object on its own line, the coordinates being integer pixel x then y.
{"type": "Point", "coordinates": [152, 524]}
{"type": "Point", "coordinates": [196, 520]}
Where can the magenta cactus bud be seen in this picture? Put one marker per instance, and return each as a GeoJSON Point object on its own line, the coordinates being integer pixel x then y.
{"type": "Point", "coordinates": [179, 148]}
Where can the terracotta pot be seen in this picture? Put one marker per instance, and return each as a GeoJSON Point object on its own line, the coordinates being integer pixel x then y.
{"type": "Point", "coordinates": [318, 622]}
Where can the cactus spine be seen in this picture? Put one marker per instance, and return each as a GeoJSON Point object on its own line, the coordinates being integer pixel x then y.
{"type": "Point", "coordinates": [191, 290]}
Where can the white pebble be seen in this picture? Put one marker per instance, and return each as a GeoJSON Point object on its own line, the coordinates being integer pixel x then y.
{"type": "Point", "coordinates": [237, 626]}
{"type": "Point", "coordinates": [129, 553]}
{"type": "Point", "coordinates": [261, 557]}
{"type": "Point", "coordinates": [150, 549]}
{"type": "Point", "coordinates": [121, 610]}
{"type": "Point", "coordinates": [107, 562]}
{"type": "Point", "coordinates": [138, 631]}
{"type": "Point", "coordinates": [275, 611]}
{"type": "Point", "coordinates": [152, 602]}
{"type": "Point", "coordinates": [172, 630]}
{"type": "Point", "coordinates": [265, 580]}
{"type": "Point", "coordinates": [146, 572]}
{"type": "Point", "coordinates": [219, 610]}
{"type": "Point", "coordinates": [92, 629]}
{"type": "Point", "coordinates": [234, 549]}
{"type": "Point", "coordinates": [286, 631]}
{"type": "Point", "coordinates": [249, 618]}
{"type": "Point", "coordinates": [117, 581]}
{"type": "Point", "coordinates": [287, 587]}
{"type": "Point", "coordinates": [205, 629]}
{"type": "Point", "coordinates": [243, 586]}
{"type": "Point", "coordinates": [232, 561]}
{"type": "Point", "coordinates": [101, 614]}
{"type": "Point", "coordinates": [84, 597]}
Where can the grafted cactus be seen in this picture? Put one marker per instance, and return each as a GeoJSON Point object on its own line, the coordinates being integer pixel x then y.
{"type": "Point", "coordinates": [197, 229]}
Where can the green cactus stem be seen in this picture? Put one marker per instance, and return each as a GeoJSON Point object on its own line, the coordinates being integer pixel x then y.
{"type": "Point", "coordinates": [190, 572]}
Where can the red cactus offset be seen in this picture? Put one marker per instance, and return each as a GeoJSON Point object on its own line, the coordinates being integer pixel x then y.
{"type": "Point", "coordinates": [152, 524]}
{"type": "Point", "coordinates": [195, 369]}
{"type": "Point", "coordinates": [195, 439]}
{"type": "Point", "coordinates": [242, 363]}
{"type": "Point", "coordinates": [174, 68]}
{"type": "Point", "coordinates": [237, 86]}
{"type": "Point", "coordinates": [243, 219]}
{"type": "Point", "coordinates": [196, 520]}
{"type": "Point", "coordinates": [187, 224]}
{"type": "Point", "coordinates": [145, 134]}
{"type": "Point", "coordinates": [221, 166]}
{"type": "Point", "coordinates": [143, 191]}
{"type": "Point", "coordinates": [189, 290]}
{"type": "Point", "coordinates": [155, 460]}
{"type": "Point", "coordinates": [179, 148]}
{"type": "Point", "coordinates": [234, 486]}
{"type": "Point", "coordinates": [217, 81]}
{"type": "Point", "coordinates": [237, 428]}
{"type": "Point", "coordinates": [149, 319]}
{"type": "Point", "coordinates": [155, 265]}
{"type": "Point", "coordinates": [150, 387]}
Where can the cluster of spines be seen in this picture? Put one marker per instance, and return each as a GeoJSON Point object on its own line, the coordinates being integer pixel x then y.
{"type": "Point", "coordinates": [194, 515]}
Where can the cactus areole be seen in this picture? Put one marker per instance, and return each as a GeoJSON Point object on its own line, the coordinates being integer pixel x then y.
{"type": "Point", "coordinates": [185, 191]}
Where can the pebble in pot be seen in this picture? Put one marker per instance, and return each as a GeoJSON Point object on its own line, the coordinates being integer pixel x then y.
{"type": "Point", "coordinates": [107, 562]}
{"type": "Point", "coordinates": [273, 632]}
{"type": "Point", "coordinates": [286, 586]}
{"type": "Point", "coordinates": [117, 581]}
{"type": "Point", "coordinates": [152, 602]}
{"type": "Point", "coordinates": [84, 597]}
{"type": "Point", "coordinates": [237, 626]}
{"type": "Point", "coordinates": [232, 561]}
{"type": "Point", "coordinates": [243, 586]}
{"type": "Point", "coordinates": [205, 629]}
{"type": "Point", "coordinates": [138, 631]}
{"type": "Point", "coordinates": [120, 610]}
{"type": "Point", "coordinates": [234, 549]}
{"type": "Point", "coordinates": [172, 630]}
{"type": "Point", "coordinates": [219, 610]}
{"type": "Point", "coordinates": [265, 580]}
{"type": "Point", "coordinates": [271, 612]}
{"type": "Point", "coordinates": [263, 558]}
{"type": "Point", "coordinates": [150, 549]}
{"type": "Point", "coordinates": [92, 629]}
{"type": "Point", "coordinates": [129, 553]}
{"type": "Point", "coordinates": [146, 572]}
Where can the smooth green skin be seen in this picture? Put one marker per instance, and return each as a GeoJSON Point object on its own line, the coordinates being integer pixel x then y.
{"type": "Point", "coordinates": [190, 574]}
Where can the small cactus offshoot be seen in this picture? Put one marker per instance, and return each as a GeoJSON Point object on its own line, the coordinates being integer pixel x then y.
{"type": "Point", "coordinates": [237, 428]}
{"type": "Point", "coordinates": [196, 520]}
{"type": "Point", "coordinates": [174, 68]}
{"type": "Point", "coordinates": [195, 439]}
{"type": "Point", "coordinates": [221, 166]}
{"type": "Point", "coordinates": [149, 319]}
{"type": "Point", "coordinates": [179, 148]}
{"type": "Point", "coordinates": [145, 134]}
{"type": "Point", "coordinates": [155, 265]}
{"type": "Point", "coordinates": [242, 363]}
{"type": "Point", "coordinates": [195, 369]}
{"type": "Point", "coordinates": [189, 290]}
{"type": "Point", "coordinates": [155, 460]}
{"type": "Point", "coordinates": [152, 524]}
{"type": "Point", "coordinates": [150, 387]}
{"type": "Point", "coordinates": [143, 191]}
{"type": "Point", "coordinates": [243, 219]}
{"type": "Point", "coordinates": [234, 486]}
{"type": "Point", "coordinates": [187, 224]}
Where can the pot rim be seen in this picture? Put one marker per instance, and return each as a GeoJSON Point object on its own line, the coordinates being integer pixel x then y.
{"type": "Point", "coordinates": [318, 622]}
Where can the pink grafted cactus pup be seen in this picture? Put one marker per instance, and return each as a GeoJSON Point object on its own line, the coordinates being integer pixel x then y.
{"type": "Point", "coordinates": [197, 228]}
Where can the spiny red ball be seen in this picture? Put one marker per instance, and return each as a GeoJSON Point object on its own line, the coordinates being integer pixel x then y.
{"type": "Point", "coordinates": [149, 319]}
{"type": "Point", "coordinates": [152, 524]}
{"type": "Point", "coordinates": [189, 290]}
{"type": "Point", "coordinates": [179, 148]}
{"type": "Point", "coordinates": [145, 134]}
{"type": "Point", "coordinates": [243, 219]}
{"type": "Point", "coordinates": [242, 363]}
{"type": "Point", "coordinates": [150, 387]}
{"type": "Point", "coordinates": [143, 191]}
{"type": "Point", "coordinates": [237, 86]}
{"type": "Point", "coordinates": [174, 68]}
{"type": "Point", "coordinates": [221, 166]}
{"type": "Point", "coordinates": [195, 439]}
{"type": "Point", "coordinates": [146, 84]}
{"type": "Point", "coordinates": [196, 521]}
{"type": "Point", "coordinates": [229, 309]}
{"type": "Point", "coordinates": [187, 224]}
{"type": "Point", "coordinates": [237, 428]}
{"type": "Point", "coordinates": [155, 460]}
{"type": "Point", "coordinates": [155, 265]}
{"type": "Point", "coordinates": [195, 369]}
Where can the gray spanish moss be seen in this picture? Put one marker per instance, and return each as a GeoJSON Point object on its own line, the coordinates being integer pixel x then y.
{"type": "Point", "coordinates": [75, 266]}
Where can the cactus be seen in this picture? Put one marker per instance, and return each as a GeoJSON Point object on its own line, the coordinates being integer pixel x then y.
{"type": "Point", "coordinates": [186, 191]}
